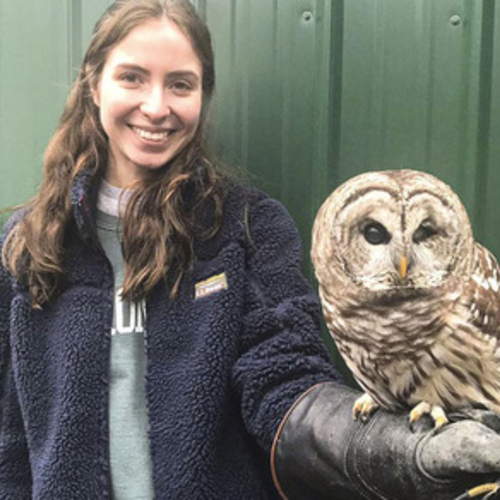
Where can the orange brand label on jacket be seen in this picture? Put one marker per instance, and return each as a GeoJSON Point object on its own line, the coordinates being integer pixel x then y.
{"type": "Point", "coordinates": [212, 285]}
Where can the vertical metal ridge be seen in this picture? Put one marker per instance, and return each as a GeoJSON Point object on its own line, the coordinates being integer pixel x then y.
{"type": "Point", "coordinates": [468, 143]}
{"type": "Point", "coordinates": [284, 41]}
{"type": "Point", "coordinates": [421, 120]}
{"type": "Point", "coordinates": [378, 107]}
{"type": "Point", "coordinates": [334, 119]}
{"type": "Point", "coordinates": [487, 171]}
{"type": "Point", "coordinates": [75, 41]}
{"type": "Point", "coordinates": [244, 26]}
{"type": "Point", "coordinates": [2, 93]}
{"type": "Point", "coordinates": [426, 40]}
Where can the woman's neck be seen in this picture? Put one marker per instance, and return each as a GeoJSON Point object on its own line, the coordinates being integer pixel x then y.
{"type": "Point", "coordinates": [112, 200]}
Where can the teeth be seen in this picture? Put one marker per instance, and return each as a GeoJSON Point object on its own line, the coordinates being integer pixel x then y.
{"type": "Point", "coordinates": [152, 136]}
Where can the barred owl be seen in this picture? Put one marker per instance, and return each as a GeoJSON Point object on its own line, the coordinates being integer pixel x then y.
{"type": "Point", "coordinates": [411, 300]}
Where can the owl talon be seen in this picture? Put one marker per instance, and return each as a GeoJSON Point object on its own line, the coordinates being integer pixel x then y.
{"type": "Point", "coordinates": [489, 490]}
{"type": "Point", "coordinates": [363, 407]}
{"type": "Point", "coordinates": [424, 408]}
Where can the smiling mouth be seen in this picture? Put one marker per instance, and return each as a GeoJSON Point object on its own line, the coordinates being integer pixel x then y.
{"type": "Point", "coordinates": [152, 136]}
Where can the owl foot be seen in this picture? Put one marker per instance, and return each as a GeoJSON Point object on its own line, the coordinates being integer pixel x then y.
{"type": "Point", "coordinates": [424, 408]}
{"type": "Point", "coordinates": [363, 407]}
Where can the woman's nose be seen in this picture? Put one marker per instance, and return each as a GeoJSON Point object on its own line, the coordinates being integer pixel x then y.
{"type": "Point", "coordinates": [155, 104]}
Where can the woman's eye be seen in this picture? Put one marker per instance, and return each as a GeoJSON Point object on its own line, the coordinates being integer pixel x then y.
{"type": "Point", "coordinates": [425, 231]}
{"type": "Point", "coordinates": [182, 86]}
{"type": "Point", "coordinates": [376, 234]}
{"type": "Point", "coordinates": [130, 78]}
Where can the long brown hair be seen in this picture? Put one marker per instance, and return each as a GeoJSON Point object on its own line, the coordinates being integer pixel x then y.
{"type": "Point", "coordinates": [159, 224]}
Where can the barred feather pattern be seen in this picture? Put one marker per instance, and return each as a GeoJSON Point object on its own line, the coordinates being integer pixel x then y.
{"type": "Point", "coordinates": [426, 333]}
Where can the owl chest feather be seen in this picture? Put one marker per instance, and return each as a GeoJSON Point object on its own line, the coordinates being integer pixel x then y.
{"type": "Point", "coordinates": [383, 330]}
{"type": "Point", "coordinates": [403, 353]}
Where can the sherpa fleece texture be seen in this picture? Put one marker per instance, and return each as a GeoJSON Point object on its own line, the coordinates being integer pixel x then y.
{"type": "Point", "coordinates": [222, 370]}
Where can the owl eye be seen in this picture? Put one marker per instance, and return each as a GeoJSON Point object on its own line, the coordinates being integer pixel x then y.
{"type": "Point", "coordinates": [425, 231]}
{"type": "Point", "coordinates": [376, 234]}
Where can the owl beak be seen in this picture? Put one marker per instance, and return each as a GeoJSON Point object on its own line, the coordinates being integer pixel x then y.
{"type": "Point", "coordinates": [403, 267]}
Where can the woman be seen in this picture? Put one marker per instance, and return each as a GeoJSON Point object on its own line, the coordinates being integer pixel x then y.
{"type": "Point", "coordinates": [154, 325]}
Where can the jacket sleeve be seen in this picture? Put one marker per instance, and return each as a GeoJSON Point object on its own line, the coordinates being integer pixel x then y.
{"type": "Point", "coordinates": [282, 354]}
{"type": "Point", "coordinates": [15, 472]}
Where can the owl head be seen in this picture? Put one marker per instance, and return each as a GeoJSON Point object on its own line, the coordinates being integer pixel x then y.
{"type": "Point", "coordinates": [398, 231]}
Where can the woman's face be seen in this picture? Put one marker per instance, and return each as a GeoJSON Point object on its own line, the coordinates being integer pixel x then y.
{"type": "Point", "coordinates": [149, 97]}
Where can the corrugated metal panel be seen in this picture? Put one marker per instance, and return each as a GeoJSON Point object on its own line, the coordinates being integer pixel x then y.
{"type": "Point", "coordinates": [34, 56]}
{"type": "Point", "coordinates": [272, 117]}
{"type": "Point", "coordinates": [410, 87]}
{"type": "Point", "coordinates": [90, 11]}
{"type": "Point", "coordinates": [41, 48]}
{"type": "Point", "coordinates": [488, 162]}
{"type": "Point", "coordinates": [416, 91]}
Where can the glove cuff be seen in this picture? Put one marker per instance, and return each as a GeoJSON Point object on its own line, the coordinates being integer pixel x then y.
{"type": "Point", "coordinates": [307, 457]}
{"type": "Point", "coordinates": [279, 437]}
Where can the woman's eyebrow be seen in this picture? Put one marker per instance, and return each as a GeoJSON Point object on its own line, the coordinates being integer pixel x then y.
{"type": "Point", "coordinates": [132, 67]}
{"type": "Point", "coordinates": [184, 74]}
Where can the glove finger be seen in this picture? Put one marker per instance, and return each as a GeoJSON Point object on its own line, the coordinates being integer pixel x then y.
{"type": "Point", "coordinates": [462, 447]}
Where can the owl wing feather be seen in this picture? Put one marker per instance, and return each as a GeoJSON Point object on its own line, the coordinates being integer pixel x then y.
{"type": "Point", "coordinates": [483, 298]}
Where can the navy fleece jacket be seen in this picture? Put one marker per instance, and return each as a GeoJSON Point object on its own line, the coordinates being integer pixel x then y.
{"type": "Point", "coordinates": [222, 369]}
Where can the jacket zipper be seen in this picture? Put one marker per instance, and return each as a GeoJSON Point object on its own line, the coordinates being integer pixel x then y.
{"type": "Point", "coordinates": [97, 244]}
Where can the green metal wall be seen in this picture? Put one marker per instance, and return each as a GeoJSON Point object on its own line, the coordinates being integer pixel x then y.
{"type": "Point", "coordinates": [272, 114]}
{"type": "Point", "coordinates": [310, 92]}
{"type": "Point", "coordinates": [417, 90]}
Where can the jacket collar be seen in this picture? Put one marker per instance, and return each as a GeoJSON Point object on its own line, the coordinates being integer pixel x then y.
{"type": "Point", "coordinates": [83, 200]}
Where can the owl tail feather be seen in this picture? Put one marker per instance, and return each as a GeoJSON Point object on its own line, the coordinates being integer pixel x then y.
{"type": "Point", "coordinates": [487, 491]}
